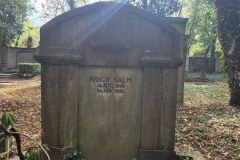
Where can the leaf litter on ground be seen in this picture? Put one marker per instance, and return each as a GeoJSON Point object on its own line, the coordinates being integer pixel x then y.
{"type": "Point", "coordinates": [22, 99]}
{"type": "Point", "coordinates": [205, 123]}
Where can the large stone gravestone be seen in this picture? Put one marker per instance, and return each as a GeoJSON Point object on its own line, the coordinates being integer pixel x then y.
{"type": "Point", "coordinates": [109, 83]}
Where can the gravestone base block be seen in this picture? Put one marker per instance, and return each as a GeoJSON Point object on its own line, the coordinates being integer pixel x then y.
{"type": "Point", "coordinates": [58, 154]}
{"type": "Point", "coordinates": [157, 155]}
{"type": "Point", "coordinates": [55, 155]}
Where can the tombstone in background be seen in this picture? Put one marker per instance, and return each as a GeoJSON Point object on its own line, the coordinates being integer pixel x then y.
{"type": "Point", "coordinates": [211, 63]}
{"type": "Point", "coordinates": [109, 83]}
{"type": "Point", "coordinates": [203, 68]}
{"type": "Point", "coordinates": [198, 63]}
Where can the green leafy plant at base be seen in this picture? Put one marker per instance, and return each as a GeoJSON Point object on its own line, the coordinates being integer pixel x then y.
{"type": "Point", "coordinates": [29, 69]}
{"type": "Point", "coordinates": [8, 120]}
{"type": "Point", "coordinates": [8, 129]}
{"type": "Point", "coordinates": [180, 157]}
{"type": "Point", "coordinates": [74, 155]}
{"type": "Point", "coordinates": [34, 153]}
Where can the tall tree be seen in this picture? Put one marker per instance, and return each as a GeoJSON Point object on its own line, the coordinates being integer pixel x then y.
{"type": "Point", "coordinates": [12, 15]}
{"type": "Point", "coordinates": [228, 18]}
{"type": "Point", "coordinates": [52, 8]}
{"type": "Point", "coordinates": [159, 7]}
{"type": "Point", "coordinates": [201, 26]}
{"type": "Point", "coordinates": [29, 31]}
{"type": "Point", "coordinates": [71, 4]}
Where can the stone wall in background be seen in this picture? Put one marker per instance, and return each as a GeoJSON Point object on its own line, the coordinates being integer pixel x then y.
{"type": "Point", "coordinates": [11, 56]}
{"type": "Point", "coordinates": [197, 64]}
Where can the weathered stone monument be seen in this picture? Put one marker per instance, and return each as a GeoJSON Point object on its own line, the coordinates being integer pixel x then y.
{"type": "Point", "coordinates": [109, 83]}
{"type": "Point", "coordinates": [180, 25]}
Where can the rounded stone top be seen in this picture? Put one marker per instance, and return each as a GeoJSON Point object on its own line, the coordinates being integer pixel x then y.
{"type": "Point", "coordinates": [110, 8]}
{"type": "Point", "coordinates": [109, 33]}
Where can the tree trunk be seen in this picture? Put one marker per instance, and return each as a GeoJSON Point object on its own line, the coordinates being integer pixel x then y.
{"type": "Point", "coordinates": [228, 17]}
{"type": "Point", "coordinates": [144, 2]}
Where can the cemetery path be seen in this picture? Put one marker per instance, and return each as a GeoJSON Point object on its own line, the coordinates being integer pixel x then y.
{"type": "Point", "coordinates": [12, 87]}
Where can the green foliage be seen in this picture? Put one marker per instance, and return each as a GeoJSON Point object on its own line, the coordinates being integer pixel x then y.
{"type": "Point", "coordinates": [196, 50]}
{"type": "Point", "coordinates": [29, 69]}
{"type": "Point", "coordinates": [7, 123]}
{"type": "Point", "coordinates": [71, 4]}
{"type": "Point", "coordinates": [158, 7]}
{"type": "Point", "coordinates": [207, 93]}
{"type": "Point", "coordinates": [33, 153]}
{"type": "Point", "coordinates": [222, 63]}
{"type": "Point", "coordinates": [213, 77]}
{"type": "Point", "coordinates": [181, 157]}
{"type": "Point", "coordinates": [75, 155]}
{"type": "Point", "coordinates": [201, 25]}
{"type": "Point", "coordinates": [12, 15]}
{"type": "Point", "coordinates": [53, 8]}
{"type": "Point", "coordinates": [28, 30]}
{"type": "Point", "coordinates": [8, 120]}
{"type": "Point", "coordinates": [8, 129]}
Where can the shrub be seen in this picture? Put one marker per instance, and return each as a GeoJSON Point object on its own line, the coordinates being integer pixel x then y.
{"type": "Point", "coordinates": [74, 155]}
{"type": "Point", "coordinates": [29, 69]}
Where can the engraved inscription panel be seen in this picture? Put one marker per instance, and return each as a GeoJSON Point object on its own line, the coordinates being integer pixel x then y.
{"type": "Point", "coordinates": [109, 112]}
{"type": "Point", "coordinates": [111, 84]}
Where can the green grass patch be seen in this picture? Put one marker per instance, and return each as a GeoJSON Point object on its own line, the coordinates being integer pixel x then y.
{"type": "Point", "coordinates": [214, 77]}
{"type": "Point", "coordinates": [10, 71]}
{"type": "Point", "coordinates": [208, 93]}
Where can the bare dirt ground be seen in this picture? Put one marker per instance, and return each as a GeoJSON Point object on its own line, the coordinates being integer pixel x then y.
{"type": "Point", "coordinates": [206, 128]}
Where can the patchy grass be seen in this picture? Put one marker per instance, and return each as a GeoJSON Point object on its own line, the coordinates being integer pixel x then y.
{"type": "Point", "coordinates": [216, 93]}
{"type": "Point", "coordinates": [214, 77]}
{"type": "Point", "coordinates": [205, 122]}
{"type": "Point", "coordinates": [9, 71]}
